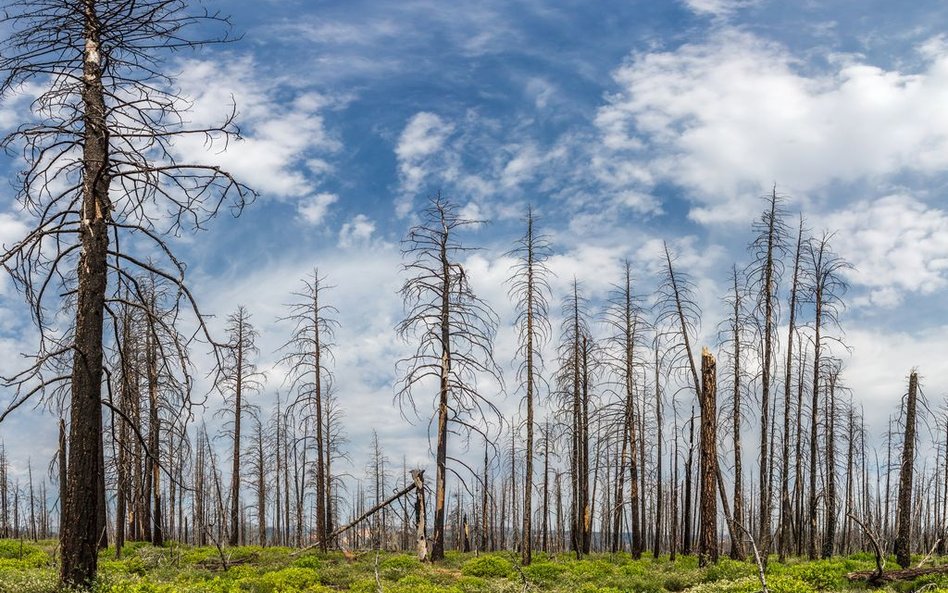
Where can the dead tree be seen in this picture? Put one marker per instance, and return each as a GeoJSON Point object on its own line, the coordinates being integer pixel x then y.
{"type": "Point", "coordinates": [707, 542]}
{"type": "Point", "coordinates": [573, 390]}
{"type": "Point", "coordinates": [239, 378]}
{"type": "Point", "coordinates": [764, 272]}
{"type": "Point", "coordinates": [903, 541]}
{"type": "Point", "coordinates": [735, 345]}
{"type": "Point", "coordinates": [786, 512]}
{"type": "Point", "coordinates": [529, 290]}
{"type": "Point", "coordinates": [98, 163]}
{"type": "Point", "coordinates": [678, 319]}
{"type": "Point", "coordinates": [259, 466]}
{"type": "Point", "coordinates": [453, 331]}
{"type": "Point", "coordinates": [824, 289]}
{"type": "Point", "coordinates": [307, 354]}
{"type": "Point", "coordinates": [624, 318]}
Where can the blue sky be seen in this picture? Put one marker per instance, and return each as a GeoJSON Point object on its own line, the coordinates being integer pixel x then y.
{"type": "Point", "coordinates": [623, 123]}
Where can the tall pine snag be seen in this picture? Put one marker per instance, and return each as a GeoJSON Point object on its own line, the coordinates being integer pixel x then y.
{"type": "Point", "coordinates": [239, 377]}
{"type": "Point", "coordinates": [824, 288]}
{"type": "Point", "coordinates": [735, 346]}
{"type": "Point", "coordinates": [764, 274]}
{"type": "Point", "coordinates": [530, 291]}
{"type": "Point", "coordinates": [307, 354]}
{"type": "Point", "coordinates": [573, 388]}
{"type": "Point", "coordinates": [786, 512]}
{"type": "Point", "coordinates": [453, 331]}
{"type": "Point", "coordinates": [624, 319]}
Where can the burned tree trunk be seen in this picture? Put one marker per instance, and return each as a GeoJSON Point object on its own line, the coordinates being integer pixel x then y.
{"type": "Point", "coordinates": [903, 541]}
{"type": "Point", "coordinates": [80, 535]}
{"type": "Point", "coordinates": [707, 542]}
{"type": "Point", "coordinates": [786, 510]}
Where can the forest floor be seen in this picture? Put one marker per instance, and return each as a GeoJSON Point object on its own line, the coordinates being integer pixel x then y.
{"type": "Point", "coordinates": [30, 568]}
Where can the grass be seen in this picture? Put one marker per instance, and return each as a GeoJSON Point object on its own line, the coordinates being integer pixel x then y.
{"type": "Point", "coordinates": [31, 568]}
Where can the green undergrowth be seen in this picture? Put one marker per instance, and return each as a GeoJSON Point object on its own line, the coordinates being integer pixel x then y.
{"type": "Point", "coordinates": [31, 568]}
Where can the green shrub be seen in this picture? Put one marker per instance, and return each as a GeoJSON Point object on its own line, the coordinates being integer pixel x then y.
{"type": "Point", "coordinates": [488, 567]}
{"type": "Point", "coordinates": [544, 574]}
{"type": "Point", "coordinates": [591, 571]}
{"type": "Point", "coordinates": [397, 567]}
{"type": "Point", "coordinates": [472, 585]}
{"type": "Point", "coordinates": [743, 585]}
{"type": "Point", "coordinates": [789, 584]}
{"type": "Point", "coordinates": [29, 580]}
{"type": "Point", "coordinates": [417, 584]}
{"type": "Point", "coordinates": [727, 569]}
{"type": "Point", "coordinates": [290, 580]}
{"type": "Point", "coordinates": [309, 561]}
{"type": "Point", "coordinates": [822, 575]}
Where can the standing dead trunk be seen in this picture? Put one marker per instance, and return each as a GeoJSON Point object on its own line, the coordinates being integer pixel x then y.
{"type": "Point", "coordinates": [421, 540]}
{"type": "Point", "coordinates": [829, 541]}
{"type": "Point", "coordinates": [786, 511]}
{"type": "Point", "coordinates": [737, 545]}
{"type": "Point", "coordinates": [903, 541]}
{"type": "Point", "coordinates": [234, 536]}
{"type": "Point", "coordinates": [686, 537]}
{"type": "Point", "coordinates": [707, 541]}
{"type": "Point", "coordinates": [80, 536]}
{"type": "Point", "coordinates": [657, 541]}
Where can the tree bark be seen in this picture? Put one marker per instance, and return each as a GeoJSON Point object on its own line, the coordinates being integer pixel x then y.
{"type": "Point", "coordinates": [79, 538]}
{"type": "Point", "coordinates": [707, 542]}
{"type": "Point", "coordinates": [903, 541]}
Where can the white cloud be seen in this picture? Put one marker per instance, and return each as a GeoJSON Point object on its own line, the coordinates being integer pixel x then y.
{"type": "Point", "coordinates": [896, 244]}
{"type": "Point", "coordinates": [716, 7]}
{"type": "Point", "coordinates": [313, 209]}
{"type": "Point", "coordinates": [878, 370]}
{"type": "Point", "coordinates": [726, 118]}
{"type": "Point", "coordinates": [423, 137]}
{"type": "Point", "coordinates": [278, 135]}
{"type": "Point", "coordinates": [356, 231]}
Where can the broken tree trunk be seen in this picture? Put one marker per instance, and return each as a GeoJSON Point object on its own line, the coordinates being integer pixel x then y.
{"type": "Point", "coordinates": [417, 476]}
{"type": "Point", "coordinates": [707, 541]}
{"type": "Point", "coordinates": [418, 486]}
{"type": "Point", "coordinates": [903, 541]}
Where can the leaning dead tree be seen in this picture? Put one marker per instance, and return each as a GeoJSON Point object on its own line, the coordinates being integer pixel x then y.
{"type": "Point", "coordinates": [105, 184]}
{"type": "Point", "coordinates": [453, 331]}
{"type": "Point", "coordinates": [417, 485]}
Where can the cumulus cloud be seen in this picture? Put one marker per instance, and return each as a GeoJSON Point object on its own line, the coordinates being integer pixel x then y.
{"type": "Point", "coordinates": [356, 231]}
{"type": "Point", "coordinates": [280, 136]}
{"type": "Point", "coordinates": [727, 117]}
{"type": "Point", "coordinates": [418, 146]}
{"type": "Point", "coordinates": [313, 209]}
{"type": "Point", "coordinates": [897, 245]}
